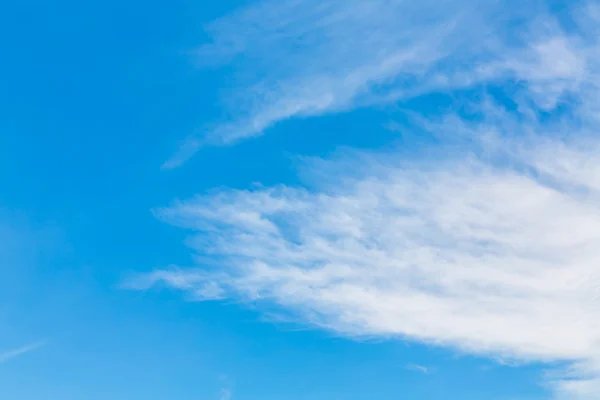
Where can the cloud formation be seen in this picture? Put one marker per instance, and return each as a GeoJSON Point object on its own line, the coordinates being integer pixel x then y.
{"type": "Point", "coordinates": [299, 58]}
{"type": "Point", "coordinates": [488, 245]}
{"type": "Point", "coordinates": [493, 252]}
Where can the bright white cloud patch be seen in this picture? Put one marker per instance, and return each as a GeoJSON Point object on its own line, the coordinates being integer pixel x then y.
{"type": "Point", "coordinates": [492, 260]}
{"type": "Point", "coordinates": [491, 247]}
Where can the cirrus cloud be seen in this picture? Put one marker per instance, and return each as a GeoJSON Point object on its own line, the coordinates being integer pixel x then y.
{"type": "Point", "coordinates": [489, 245]}
{"type": "Point", "coordinates": [301, 58]}
{"type": "Point", "coordinates": [493, 254]}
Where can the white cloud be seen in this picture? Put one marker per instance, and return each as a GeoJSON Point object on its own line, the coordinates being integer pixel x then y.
{"type": "Point", "coordinates": [312, 57]}
{"type": "Point", "coordinates": [14, 353]}
{"type": "Point", "coordinates": [489, 245]}
{"type": "Point", "coordinates": [494, 252]}
{"type": "Point", "coordinates": [461, 252]}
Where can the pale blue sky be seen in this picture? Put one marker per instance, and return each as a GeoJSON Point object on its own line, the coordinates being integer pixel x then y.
{"type": "Point", "coordinates": [299, 200]}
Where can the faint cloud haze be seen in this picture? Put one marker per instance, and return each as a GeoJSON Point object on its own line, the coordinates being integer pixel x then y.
{"type": "Point", "coordinates": [14, 353]}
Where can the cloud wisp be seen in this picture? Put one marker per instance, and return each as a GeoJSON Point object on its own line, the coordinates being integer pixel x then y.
{"type": "Point", "coordinates": [14, 353]}
{"type": "Point", "coordinates": [419, 368]}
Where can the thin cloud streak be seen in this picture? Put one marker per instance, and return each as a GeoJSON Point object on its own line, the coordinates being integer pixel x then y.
{"type": "Point", "coordinates": [11, 354]}
{"type": "Point", "coordinates": [419, 368]}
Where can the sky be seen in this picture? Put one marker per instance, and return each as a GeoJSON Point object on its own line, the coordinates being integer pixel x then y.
{"type": "Point", "coordinates": [300, 200]}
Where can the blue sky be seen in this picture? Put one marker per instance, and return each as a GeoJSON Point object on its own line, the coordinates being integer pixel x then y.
{"type": "Point", "coordinates": [300, 200]}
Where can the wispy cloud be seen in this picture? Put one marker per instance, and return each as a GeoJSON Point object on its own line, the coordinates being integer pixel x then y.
{"type": "Point", "coordinates": [14, 353]}
{"type": "Point", "coordinates": [488, 245]}
{"type": "Point", "coordinates": [312, 57]}
{"type": "Point", "coordinates": [418, 368]}
{"type": "Point", "coordinates": [490, 258]}
{"type": "Point", "coordinates": [491, 251]}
